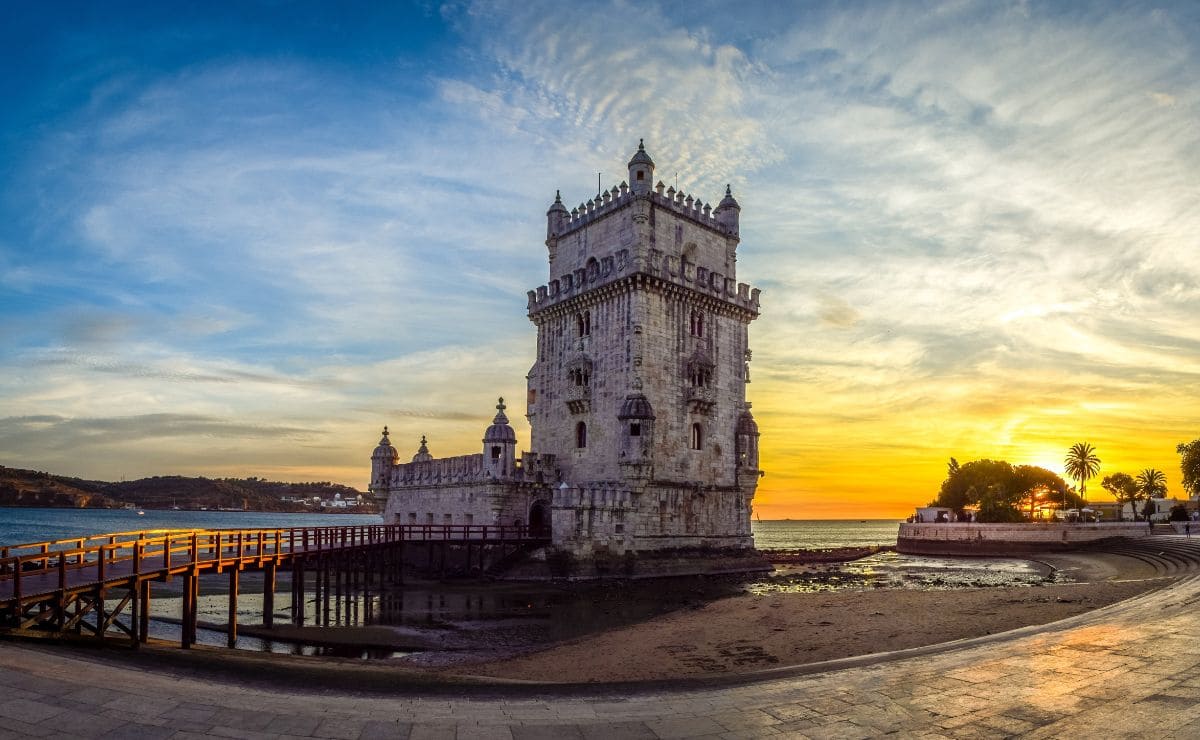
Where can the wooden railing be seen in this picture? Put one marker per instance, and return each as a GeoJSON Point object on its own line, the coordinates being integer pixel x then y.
{"type": "Point", "coordinates": [124, 554]}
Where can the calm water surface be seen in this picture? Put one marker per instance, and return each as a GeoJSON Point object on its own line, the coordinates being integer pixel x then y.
{"type": "Point", "coordinates": [18, 526]}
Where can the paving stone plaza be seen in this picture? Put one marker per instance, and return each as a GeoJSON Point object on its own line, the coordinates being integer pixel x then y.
{"type": "Point", "coordinates": [1130, 669]}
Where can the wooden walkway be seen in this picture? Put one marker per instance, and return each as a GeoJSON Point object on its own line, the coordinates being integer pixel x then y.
{"type": "Point", "coordinates": [86, 584]}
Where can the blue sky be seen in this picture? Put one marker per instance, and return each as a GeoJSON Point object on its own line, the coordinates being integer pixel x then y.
{"type": "Point", "coordinates": [239, 239]}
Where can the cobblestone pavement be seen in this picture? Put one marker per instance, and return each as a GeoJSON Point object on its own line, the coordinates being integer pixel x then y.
{"type": "Point", "coordinates": [1130, 669]}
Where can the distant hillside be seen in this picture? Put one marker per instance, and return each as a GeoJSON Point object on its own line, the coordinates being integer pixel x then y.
{"type": "Point", "coordinates": [35, 488]}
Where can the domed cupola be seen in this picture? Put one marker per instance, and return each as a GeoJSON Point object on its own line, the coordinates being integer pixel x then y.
{"type": "Point", "coordinates": [641, 171]}
{"type": "Point", "coordinates": [500, 445]}
{"type": "Point", "coordinates": [747, 440]}
{"type": "Point", "coordinates": [637, 442]}
{"type": "Point", "coordinates": [747, 424]}
{"type": "Point", "coordinates": [557, 218]}
{"type": "Point", "coordinates": [636, 406]}
{"type": "Point", "coordinates": [728, 212]}
{"type": "Point", "coordinates": [423, 451]}
{"type": "Point", "coordinates": [383, 459]}
{"type": "Point", "coordinates": [385, 452]}
{"type": "Point", "coordinates": [500, 431]}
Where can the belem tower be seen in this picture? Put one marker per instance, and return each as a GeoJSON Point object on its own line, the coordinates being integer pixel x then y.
{"type": "Point", "coordinates": [644, 446]}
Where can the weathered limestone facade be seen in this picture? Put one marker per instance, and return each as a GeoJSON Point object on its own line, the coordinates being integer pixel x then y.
{"type": "Point", "coordinates": [637, 398]}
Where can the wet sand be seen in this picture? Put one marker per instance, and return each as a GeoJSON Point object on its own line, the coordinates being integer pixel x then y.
{"type": "Point", "coordinates": [752, 632]}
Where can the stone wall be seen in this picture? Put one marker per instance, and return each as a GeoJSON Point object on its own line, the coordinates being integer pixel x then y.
{"type": "Point", "coordinates": [479, 502]}
{"type": "Point", "coordinates": [962, 538]}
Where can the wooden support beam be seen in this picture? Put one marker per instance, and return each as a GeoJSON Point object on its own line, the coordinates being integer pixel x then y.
{"type": "Point", "coordinates": [185, 618]}
{"type": "Point", "coordinates": [268, 619]}
{"type": "Point", "coordinates": [101, 621]}
{"type": "Point", "coordinates": [231, 628]}
{"type": "Point", "coordinates": [144, 614]}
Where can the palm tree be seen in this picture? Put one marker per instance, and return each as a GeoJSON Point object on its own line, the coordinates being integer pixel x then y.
{"type": "Point", "coordinates": [1152, 483]}
{"type": "Point", "coordinates": [1081, 466]}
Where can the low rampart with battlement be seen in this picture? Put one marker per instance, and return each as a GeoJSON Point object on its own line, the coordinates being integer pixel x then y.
{"type": "Point", "coordinates": [531, 468]}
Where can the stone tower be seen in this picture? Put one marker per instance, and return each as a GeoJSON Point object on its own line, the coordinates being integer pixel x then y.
{"type": "Point", "coordinates": [645, 453]}
{"type": "Point", "coordinates": [639, 388]}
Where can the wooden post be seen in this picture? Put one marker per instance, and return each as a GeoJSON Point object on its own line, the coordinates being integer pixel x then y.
{"type": "Point", "coordinates": [298, 593]}
{"type": "Point", "coordinates": [135, 603]}
{"type": "Point", "coordinates": [185, 617]}
{"type": "Point", "coordinates": [195, 617]}
{"type": "Point", "coordinates": [231, 629]}
{"type": "Point", "coordinates": [269, 595]}
{"type": "Point", "coordinates": [99, 607]}
{"type": "Point", "coordinates": [144, 614]}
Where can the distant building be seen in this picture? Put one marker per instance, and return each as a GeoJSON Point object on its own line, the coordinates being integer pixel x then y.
{"type": "Point", "coordinates": [637, 405]}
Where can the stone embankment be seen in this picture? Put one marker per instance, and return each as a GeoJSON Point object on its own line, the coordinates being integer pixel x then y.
{"type": "Point", "coordinates": [968, 538]}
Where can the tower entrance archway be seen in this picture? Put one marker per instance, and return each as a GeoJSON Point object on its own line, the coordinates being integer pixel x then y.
{"type": "Point", "coordinates": [539, 519]}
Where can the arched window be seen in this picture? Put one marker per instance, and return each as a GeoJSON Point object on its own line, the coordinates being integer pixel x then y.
{"type": "Point", "coordinates": [587, 323]}
{"type": "Point", "coordinates": [579, 324]}
{"type": "Point", "coordinates": [697, 436]}
{"type": "Point", "coordinates": [495, 452]}
{"type": "Point", "coordinates": [581, 435]}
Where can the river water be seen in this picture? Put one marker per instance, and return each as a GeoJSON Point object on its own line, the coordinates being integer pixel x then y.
{"type": "Point", "coordinates": [18, 526]}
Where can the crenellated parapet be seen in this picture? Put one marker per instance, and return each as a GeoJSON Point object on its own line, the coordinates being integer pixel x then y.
{"type": "Point", "coordinates": [440, 471]}
{"type": "Point", "coordinates": [668, 268]}
{"type": "Point", "coordinates": [607, 202]}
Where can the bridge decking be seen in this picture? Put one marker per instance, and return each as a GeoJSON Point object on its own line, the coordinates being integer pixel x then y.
{"type": "Point", "coordinates": [51, 587]}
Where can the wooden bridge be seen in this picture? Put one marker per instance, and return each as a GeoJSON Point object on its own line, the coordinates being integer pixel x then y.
{"type": "Point", "coordinates": [87, 585]}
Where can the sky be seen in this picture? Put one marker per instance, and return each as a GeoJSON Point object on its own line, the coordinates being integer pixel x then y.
{"type": "Point", "coordinates": [238, 238]}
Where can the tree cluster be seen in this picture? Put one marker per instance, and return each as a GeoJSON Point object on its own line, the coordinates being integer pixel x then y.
{"type": "Point", "coordinates": [1000, 490]}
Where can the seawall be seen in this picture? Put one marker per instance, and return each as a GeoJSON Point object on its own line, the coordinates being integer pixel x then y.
{"type": "Point", "coordinates": [961, 538]}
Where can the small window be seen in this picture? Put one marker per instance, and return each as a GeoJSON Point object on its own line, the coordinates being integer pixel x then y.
{"type": "Point", "coordinates": [641, 175]}
{"type": "Point", "coordinates": [697, 437]}
{"type": "Point", "coordinates": [581, 435]}
{"type": "Point", "coordinates": [696, 324]}
{"type": "Point", "coordinates": [587, 323]}
{"type": "Point", "coordinates": [470, 519]}
{"type": "Point", "coordinates": [446, 518]}
{"type": "Point", "coordinates": [428, 518]}
{"type": "Point", "coordinates": [412, 517]}
{"type": "Point", "coordinates": [635, 429]}
{"type": "Point", "coordinates": [495, 452]}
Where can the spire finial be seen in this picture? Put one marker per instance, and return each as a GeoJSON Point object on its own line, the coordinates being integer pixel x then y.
{"type": "Point", "coordinates": [728, 192]}
{"type": "Point", "coordinates": [385, 431]}
{"type": "Point", "coordinates": [641, 145]}
{"type": "Point", "coordinates": [500, 406]}
{"type": "Point", "coordinates": [558, 196]}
